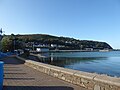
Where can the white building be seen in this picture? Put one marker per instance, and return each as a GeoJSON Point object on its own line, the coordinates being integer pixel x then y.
{"type": "Point", "coordinates": [42, 49]}
{"type": "Point", "coordinates": [89, 49]}
{"type": "Point", "coordinates": [53, 45]}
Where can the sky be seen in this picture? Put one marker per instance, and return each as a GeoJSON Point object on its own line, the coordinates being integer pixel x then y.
{"type": "Point", "coordinates": [97, 20]}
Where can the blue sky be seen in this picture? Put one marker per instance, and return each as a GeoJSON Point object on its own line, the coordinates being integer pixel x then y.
{"type": "Point", "coordinates": [80, 19]}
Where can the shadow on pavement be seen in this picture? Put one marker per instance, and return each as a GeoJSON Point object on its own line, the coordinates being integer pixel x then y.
{"type": "Point", "coordinates": [37, 88]}
{"type": "Point", "coordinates": [16, 73]}
{"type": "Point", "coordinates": [20, 78]}
{"type": "Point", "coordinates": [12, 60]}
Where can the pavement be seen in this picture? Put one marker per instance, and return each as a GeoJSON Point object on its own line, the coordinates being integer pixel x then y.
{"type": "Point", "coordinates": [18, 76]}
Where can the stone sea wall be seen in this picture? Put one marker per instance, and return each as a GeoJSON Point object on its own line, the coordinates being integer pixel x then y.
{"type": "Point", "coordinates": [87, 80]}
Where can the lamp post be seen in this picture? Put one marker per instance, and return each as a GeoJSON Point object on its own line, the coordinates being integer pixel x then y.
{"type": "Point", "coordinates": [13, 38]}
{"type": "Point", "coordinates": [14, 44]}
{"type": "Point", "coordinates": [33, 46]}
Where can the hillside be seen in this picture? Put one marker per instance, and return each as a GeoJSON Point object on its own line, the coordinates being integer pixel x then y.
{"type": "Point", "coordinates": [63, 42]}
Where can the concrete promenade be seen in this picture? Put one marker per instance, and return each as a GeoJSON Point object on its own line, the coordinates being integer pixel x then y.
{"type": "Point", "coordinates": [18, 76]}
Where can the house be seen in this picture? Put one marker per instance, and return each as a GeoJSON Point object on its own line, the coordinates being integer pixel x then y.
{"type": "Point", "coordinates": [42, 49]}
{"type": "Point", "coordinates": [89, 49]}
{"type": "Point", "coordinates": [53, 45]}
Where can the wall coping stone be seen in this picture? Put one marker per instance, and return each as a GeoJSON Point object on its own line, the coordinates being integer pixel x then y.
{"type": "Point", "coordinates": [108, 79]}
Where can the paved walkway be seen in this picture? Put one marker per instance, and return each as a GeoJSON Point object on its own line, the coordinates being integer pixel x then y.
{"type": "Point", "coordinates": [21, 77]}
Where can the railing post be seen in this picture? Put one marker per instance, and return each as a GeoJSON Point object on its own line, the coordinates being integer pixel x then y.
{"type": "Point", "coordinates": [1, 75]}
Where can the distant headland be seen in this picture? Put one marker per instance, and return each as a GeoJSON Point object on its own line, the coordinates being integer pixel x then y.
{"type": "Point", "coordinates": [58, 43]}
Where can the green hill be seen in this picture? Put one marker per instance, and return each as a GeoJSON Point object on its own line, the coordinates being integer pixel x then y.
{"type": "Point", "coordinates": [63, 43]}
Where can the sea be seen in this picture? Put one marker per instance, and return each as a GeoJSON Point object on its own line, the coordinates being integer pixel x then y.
{"type": "Point", "coordinates": [107, 63]}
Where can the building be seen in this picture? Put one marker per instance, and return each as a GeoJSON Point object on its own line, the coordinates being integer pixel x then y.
{"type": "Point", "coordinates": [89, 49]}
{"type": "Point", "coordinates": [53, 45]}
{"type": "Point", "coordinates": [42, 49]}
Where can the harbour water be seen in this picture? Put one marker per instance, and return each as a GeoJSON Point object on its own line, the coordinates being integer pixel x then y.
{"type": "Point", "coordinates": [95, 62]}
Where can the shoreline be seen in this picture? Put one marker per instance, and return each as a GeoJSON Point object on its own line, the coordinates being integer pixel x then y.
{"type": "Point", "coordinates": [74, 51]}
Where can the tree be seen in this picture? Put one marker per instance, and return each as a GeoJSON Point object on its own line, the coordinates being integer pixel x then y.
{"type": "Point", "coordinates": [6, 44]}
{"type": "Point", "coordinates": [11, 43]}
